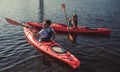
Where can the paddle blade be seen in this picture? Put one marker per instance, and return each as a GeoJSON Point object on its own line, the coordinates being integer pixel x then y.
{"type": "Point", "coordinates": [63, 7]}
{"type": "Point", "coordinates": [70, 38]}
{"type": "Point", "coordinates": [12, 21]}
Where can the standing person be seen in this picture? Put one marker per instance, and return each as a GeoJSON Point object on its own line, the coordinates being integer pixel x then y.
{"type": "Point", "coordinates": [73, 21]}
{"type": "Point", "coordinates": [47, 32]}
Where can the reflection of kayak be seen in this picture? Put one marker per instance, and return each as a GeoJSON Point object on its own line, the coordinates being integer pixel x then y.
{"type": "Point", "coordinates": [80, 30]}
{"type": "Point", "coordinates": [51, 48]}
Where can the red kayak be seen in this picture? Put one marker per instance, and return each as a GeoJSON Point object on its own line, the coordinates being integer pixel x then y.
{"type": "Point", "coordinates": [62, 28]}
{"type": "Point", "coordinates": [50, 48]}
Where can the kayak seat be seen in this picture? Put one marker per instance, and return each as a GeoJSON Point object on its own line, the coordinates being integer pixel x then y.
{"type": "Point", "coordinates": [58, 49]}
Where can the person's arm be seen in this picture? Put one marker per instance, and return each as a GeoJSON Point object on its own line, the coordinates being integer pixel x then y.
{"type": "Point", "coordinates": [42, 33]}
{"type": "Point", "coordinates": [66, 17]}
{"type": "Point", "coordinates": [54, 33]}
{"type": "Point", "coordinates": [74, 22]}
{"type": "Point", "coordinates": [36, 35]}
{"type": "Point", "coordinates": [69, 23]}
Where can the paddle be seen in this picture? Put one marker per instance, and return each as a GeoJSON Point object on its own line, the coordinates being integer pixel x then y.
{"type": "Point", "coordinates": [13, 22]}
{"type": "Point", "coordinates": [70, 38]}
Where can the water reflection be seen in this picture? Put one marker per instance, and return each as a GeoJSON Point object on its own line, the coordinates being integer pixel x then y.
{"type": "Point", "coordinates": [41, 8]}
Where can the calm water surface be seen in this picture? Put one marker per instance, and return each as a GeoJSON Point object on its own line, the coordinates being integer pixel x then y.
{"type": "Point", "coordinates": [96, 53]}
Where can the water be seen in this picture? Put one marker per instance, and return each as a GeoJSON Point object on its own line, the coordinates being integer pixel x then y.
{"type": "Point", "coordinates": [96, 53]}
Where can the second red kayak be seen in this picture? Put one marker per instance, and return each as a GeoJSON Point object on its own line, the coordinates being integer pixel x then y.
{"type": "Point", "coordinates": [62, 28]}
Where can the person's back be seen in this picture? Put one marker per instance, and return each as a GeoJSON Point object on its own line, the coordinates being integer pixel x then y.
{"type": "Point", "coordinates": [47, 32]}
{"type": "Point", "coordinates": [73, 22]}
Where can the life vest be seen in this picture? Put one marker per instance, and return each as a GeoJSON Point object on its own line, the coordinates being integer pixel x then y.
{"type": "Point", "coordinates": [49, 35]}
{"type": "Point", "coordinates": [69, 24]}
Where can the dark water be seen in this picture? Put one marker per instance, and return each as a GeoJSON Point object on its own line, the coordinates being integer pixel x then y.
{"type": "Point", "coordinates": [96, 53]}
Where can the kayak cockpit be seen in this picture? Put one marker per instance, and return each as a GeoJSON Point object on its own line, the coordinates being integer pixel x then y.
{"type": "Point", "coordinates": [58, 49]}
